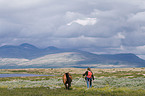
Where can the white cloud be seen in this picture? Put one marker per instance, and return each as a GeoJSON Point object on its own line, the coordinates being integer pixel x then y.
{"type": "Point", "coordinates": [120, 35]}
{"type": "Point", "coordinates": [140, 49]}
{"type": "Point", "coordinates": [84, 22]}
{"type": "Point", "coordinates": [138, 17]}
{"type": "Point", "coordinates": [108, 26]}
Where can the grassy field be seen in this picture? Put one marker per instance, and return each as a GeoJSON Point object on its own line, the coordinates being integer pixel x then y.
{"type": "Point", "coordinates": [108, 82]}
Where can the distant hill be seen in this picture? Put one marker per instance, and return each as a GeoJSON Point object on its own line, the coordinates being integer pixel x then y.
{"type": "Point", "coordinates": [26, 51]}
{"type": "Point", "coordinates": [29, 56]}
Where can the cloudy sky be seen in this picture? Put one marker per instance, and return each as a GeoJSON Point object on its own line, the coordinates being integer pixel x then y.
{"type": "Point", "coordinates": [99, 26]}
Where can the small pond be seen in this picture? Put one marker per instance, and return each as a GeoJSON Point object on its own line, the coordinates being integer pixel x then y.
{"type": "Point", "coordinates": [20, 75]}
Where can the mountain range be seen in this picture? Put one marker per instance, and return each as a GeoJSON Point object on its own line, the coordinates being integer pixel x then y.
{"type": "Point", "coordinates": [29, 56]}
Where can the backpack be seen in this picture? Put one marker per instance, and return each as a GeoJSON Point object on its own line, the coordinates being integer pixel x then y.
{"type": "Point", "coordinates": [89, 74]}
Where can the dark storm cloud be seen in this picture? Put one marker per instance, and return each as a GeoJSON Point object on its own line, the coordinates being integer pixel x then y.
{"type": "Point", "coordinates": [109, 26]}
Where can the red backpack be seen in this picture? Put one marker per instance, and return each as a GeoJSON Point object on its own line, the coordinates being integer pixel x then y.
{"type": "Point", "coordinates": [89, 74]}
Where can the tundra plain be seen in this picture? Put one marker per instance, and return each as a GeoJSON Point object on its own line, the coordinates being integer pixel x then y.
{"type": "Point", "coordinates": [108, 82]}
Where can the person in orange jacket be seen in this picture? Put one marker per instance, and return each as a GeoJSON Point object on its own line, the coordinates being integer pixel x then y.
{"type": "Point", "coordinates": [89, 77]}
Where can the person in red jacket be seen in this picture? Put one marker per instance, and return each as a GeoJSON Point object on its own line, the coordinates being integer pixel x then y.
{"type": "Point", "coordinates": [89, 77]}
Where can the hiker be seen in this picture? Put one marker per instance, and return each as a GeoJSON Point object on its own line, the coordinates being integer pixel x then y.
{"type": "Point", "coordinates": [89, 77]}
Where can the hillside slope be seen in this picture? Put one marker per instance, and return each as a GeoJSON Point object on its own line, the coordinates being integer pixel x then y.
{"type": "Point", "coordinates": [29, 56]}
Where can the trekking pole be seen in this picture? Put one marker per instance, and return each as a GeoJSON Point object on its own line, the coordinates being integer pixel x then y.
{"type": "Point", "coordinates": [77, 81]}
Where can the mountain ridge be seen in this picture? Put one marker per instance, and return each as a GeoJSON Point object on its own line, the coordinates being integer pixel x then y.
{"type": "Point", "coordinates": [29, 56]}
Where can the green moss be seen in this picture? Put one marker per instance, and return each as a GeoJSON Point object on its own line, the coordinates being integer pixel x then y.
{"type": "Point", "coordinates": [73, 92]}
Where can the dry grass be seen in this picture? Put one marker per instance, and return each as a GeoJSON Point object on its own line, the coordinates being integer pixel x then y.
{"type": "Point", "coordinates": [108, 82]}
{"type": "Point", "coordinates": [74, 70]}
{"type": "Point", "coordinates": [79, 71]}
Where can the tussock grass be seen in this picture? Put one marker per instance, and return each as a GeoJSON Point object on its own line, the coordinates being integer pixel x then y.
{"type": "Point", "coordinates": [73, 92]}
{"type": "Point", "coordinates": [108, 82]}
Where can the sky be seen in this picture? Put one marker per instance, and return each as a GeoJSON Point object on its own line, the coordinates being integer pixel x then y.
{"type": "Point", "coordinates": [98, 26]}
